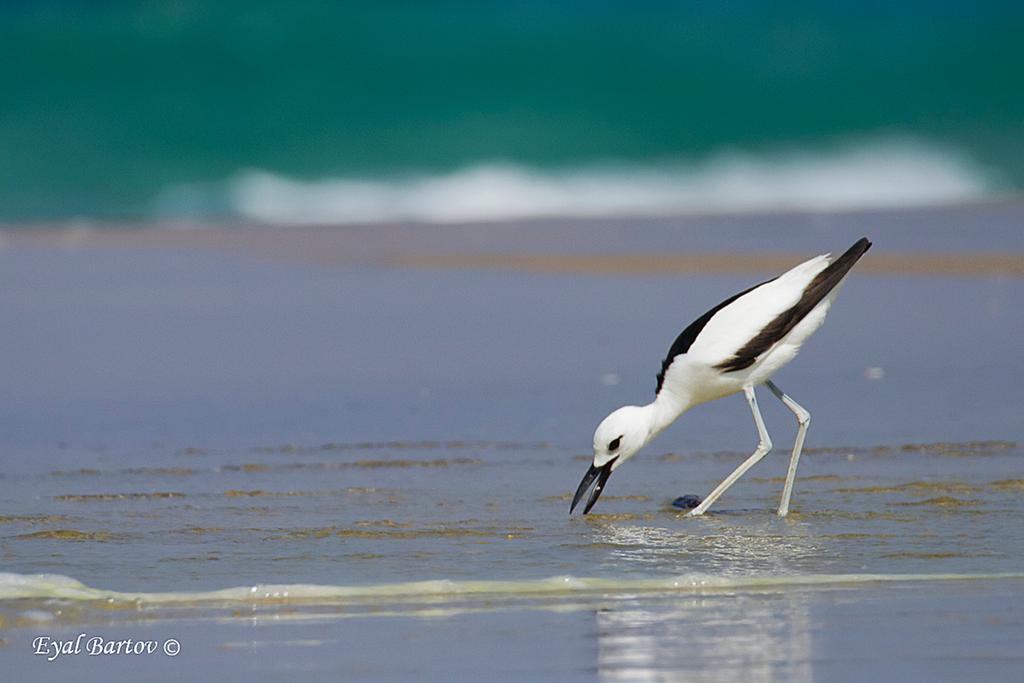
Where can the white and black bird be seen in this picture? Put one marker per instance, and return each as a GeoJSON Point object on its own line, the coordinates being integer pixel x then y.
{"type": "Point", "coordinates": [737, 345]}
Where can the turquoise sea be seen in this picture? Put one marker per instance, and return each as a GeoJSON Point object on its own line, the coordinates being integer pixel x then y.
{"type": "Point", "coordinates": [355, 112]}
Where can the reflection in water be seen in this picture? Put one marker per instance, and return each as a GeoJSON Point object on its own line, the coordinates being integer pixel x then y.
{"type": "Point", "coordinates": [751, 636]}
{"type": "Point", "coordinates": [761, 636]}
{"type": "Point", "coordinates": [718, 547]}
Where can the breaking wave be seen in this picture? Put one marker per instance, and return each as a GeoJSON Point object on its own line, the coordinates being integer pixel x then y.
{"type": "Point", "coordinates": [879, 174]}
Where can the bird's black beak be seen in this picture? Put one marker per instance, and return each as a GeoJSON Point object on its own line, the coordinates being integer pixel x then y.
{"type": "Point", "coordinates": [601, 474]}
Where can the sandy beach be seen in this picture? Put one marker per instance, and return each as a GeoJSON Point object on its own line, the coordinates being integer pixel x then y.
{"type": "Point", "coordinates": [349, 451]}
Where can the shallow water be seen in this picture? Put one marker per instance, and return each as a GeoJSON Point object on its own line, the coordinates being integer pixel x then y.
{"type": "Point", "coordinates": [372, 559]}
{"type": "Point", "coordinates": [371, 514]}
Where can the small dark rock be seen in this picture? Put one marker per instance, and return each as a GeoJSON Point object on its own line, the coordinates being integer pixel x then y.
{"type": "Point", "coordinates": [687, 502]}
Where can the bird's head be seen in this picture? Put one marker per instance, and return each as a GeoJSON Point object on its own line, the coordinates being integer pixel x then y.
{"type": "Point", "coordinates": [617, 439]}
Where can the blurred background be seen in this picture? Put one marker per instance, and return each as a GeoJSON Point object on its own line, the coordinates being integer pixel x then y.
{"type": "Point", "coordinates": [763, 134]}
{"type": "Point", "coordinates": [447, 111]}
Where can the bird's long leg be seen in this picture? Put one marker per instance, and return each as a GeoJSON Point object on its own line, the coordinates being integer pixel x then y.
{"type": "Point", "coordinates": [803, 420]}
{"type": "Point", "coordinates": [764, 445]}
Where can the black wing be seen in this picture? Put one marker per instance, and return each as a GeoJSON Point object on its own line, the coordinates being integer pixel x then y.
{"type": "Point", "coordinates": [686, 338]}
{"type": "Point", "coordinates": [818, 289]}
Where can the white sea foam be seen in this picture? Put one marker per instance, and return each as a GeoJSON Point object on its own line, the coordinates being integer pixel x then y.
{"type": "Point", "coordinates": [875, 174]}
{"type": "Point", "coordinates": [56, 586]}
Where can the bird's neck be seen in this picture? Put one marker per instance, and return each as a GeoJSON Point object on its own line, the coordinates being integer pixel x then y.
{"type": "Point", "coordinates": [663, 411]}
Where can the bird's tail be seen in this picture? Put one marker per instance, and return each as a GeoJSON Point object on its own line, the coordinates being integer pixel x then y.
{"type": "Point", "coordinates": [827, 279]}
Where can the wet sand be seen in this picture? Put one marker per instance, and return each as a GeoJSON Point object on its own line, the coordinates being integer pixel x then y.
{"type": "Point", "coordinates": [368, 409]}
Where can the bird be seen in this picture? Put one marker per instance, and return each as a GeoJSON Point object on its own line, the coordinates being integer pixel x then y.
{"type": "Point", "coordinates": [734, 347]}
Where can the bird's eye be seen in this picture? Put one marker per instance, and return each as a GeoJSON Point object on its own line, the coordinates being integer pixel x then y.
{"type": "Point", "coordinates": [614, 445]}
